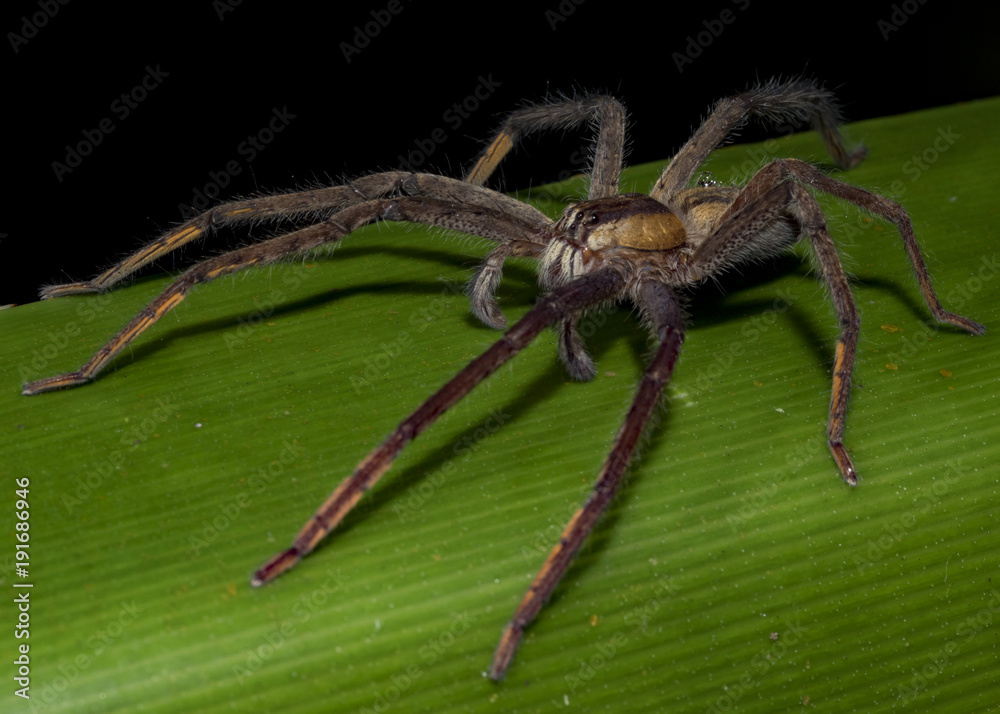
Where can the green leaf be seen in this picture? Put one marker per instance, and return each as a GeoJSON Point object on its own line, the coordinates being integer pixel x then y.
{"type": "Point", "coordinates": [157, 490]}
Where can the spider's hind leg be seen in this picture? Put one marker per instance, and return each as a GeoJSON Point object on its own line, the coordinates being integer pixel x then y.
{"type": "Point", "coordinates": [779, 192]}
{"type": "Point", "coordinates": [794, 102]}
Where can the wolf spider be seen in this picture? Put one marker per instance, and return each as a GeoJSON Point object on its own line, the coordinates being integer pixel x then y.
{"type": "Point", "coordinates": [607, 248]}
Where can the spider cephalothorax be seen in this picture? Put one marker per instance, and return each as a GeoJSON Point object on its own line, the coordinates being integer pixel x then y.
{"type": "Point", "coordinates": [619, 228]}
{"type": "Point", "coordinates": [609, 247]}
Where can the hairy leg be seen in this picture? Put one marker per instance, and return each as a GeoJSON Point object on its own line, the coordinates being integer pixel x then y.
{"type": "Point", "coordinates": [590, 289]}
{"type": "Point", "coordinates": [732, 238]}
{"type": "Point", "coordinates": [318, 202]}
{"type": "Point", "coordinates": [661, 308]}
{"type": "Point", "coordinates": [778, 193]}
{"type": "Point", "coordinates": [797, 101]}
{"type": "Point", "coordinates": [606, 113]}
{"type": "Point", "coordinates": [484, 222]}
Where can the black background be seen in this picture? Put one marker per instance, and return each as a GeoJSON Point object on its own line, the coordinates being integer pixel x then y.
{"type": "Point", "coordinates": [228, 66]}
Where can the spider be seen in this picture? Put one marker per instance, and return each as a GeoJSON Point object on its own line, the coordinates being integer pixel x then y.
{"type": "Point", "coordinates": [609, 247]}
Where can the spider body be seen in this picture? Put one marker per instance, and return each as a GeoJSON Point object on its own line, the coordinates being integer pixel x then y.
{"type": "Point", "coordinates": [609, 247]}
{"type": "Point", "coordinates": [635, 230]}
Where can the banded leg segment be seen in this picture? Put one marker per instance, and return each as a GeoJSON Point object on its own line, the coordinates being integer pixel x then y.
{"type": "Point", "coordinates": [292, 205]}
{"type": "Point", "coordinates": [606, 113]}
{"type": "Point", "coordinates": [483, 222]}
{"type": "Point", "coordinates": [810, 217]}
{"type": "Point", "coordinates": [588, 290]}
{"type": "Point", "coordinates": [779, 193]}
{"type": "Point", "coordinates": [659, 304]}
{"type": "Point", "coordinates": [232, 213]}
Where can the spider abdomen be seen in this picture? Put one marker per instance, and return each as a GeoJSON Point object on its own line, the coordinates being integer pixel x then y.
{"type": "Point", "coordinates": [700, 208]}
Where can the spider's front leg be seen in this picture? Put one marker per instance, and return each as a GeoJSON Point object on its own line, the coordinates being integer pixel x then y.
{"type": "Point", "coordinates": [320, 201]}
{"type": "Point", "coordinates": [477, 220]}
{"type": "Point", "coordinates": [594, 288]}
{"type": "Point", "coordinates": [664, 312]}
{"type": "Point", "coordinates": [232, 213]}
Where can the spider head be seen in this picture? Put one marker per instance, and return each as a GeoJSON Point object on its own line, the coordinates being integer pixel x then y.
{"type": "Point", "coordinates": [589, 232]}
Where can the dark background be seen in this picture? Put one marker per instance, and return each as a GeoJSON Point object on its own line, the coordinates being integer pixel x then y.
{"type": "Point", "coordinates": [228, 66]}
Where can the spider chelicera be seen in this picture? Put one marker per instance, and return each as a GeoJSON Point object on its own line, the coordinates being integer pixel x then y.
{"type": "Point", "coordinates": [609, 247]}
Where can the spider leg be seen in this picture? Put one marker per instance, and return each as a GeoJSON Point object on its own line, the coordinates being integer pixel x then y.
{"type": "Point", "coordinates": [778, 192]}
{"type": "Point", "coordinates": [449, 189]}
{"type": "Point", "coordinates": [484, 222]}
{"type": "Point", "coordinates": [231, 213]}
{"type": "Point", "coordinates": [608, 116]}
{"type": "Point", "coordinates": [593, 288]}
{"type": "Point", "coordinates": [810, 216]}
{"type": "Point", "coordinates": [606, 113]}
{"type": "Point", "coordinates": [482, 287]}
{"type": "Point", "coordinates": [723, 246]}
{"type": "Point", "coordinates": [303, 203]}
{"type": "Point", "coordinates": [481, 291]}
{"type": "Point", "coordinates": [572, 351]}
{"type": "Point", "coordinates": [663, 311]}
{"type": "Point", "coordinates": [794, 101]}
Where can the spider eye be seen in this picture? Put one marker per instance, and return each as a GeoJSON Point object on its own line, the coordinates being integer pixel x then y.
{"type": "Point", "coordinates": [578, 216]}
{"type": "Point", "coordinates": [593, 218]}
